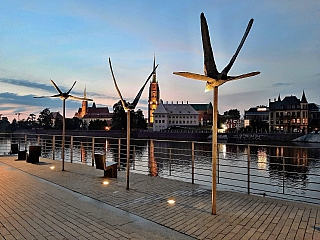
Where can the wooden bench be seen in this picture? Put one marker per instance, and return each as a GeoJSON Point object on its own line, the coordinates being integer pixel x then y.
{"type": "Point", "coordinates": [14, 148]}
{"type": "Point", "coordinates": [22, 155]}
{"type": "Point", "coordinates": [109, 168]}
{"type": "Point", "coordinates": [34, 154]}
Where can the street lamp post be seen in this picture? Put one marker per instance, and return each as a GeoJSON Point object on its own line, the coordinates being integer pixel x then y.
{"type": "Point", "coordinates": [64, 96]}
{"type": "Point", "coordinates": [129, 107]}
{"type": "Point", "coordinates": [213, 80]}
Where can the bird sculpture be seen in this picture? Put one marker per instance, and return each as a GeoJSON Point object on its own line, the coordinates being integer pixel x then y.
{"type": "Point", "coordinates": [211, 75]}
{"type": "Point", "coordinates": [126, 105]}
{"type": "Point", "coordinates": [64, 95]}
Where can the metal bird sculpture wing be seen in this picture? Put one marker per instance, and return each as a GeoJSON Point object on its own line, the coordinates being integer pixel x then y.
{"type": "Point", "coordinates": [64, 95]}
{"type": "Point", "coordinates": [126, 105]}
{"type": "Point", "coordinates": [211, 75]}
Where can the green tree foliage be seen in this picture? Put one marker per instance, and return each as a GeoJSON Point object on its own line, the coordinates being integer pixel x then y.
{"type": "Point", "coordinates": [4, 124]}
{"type": "Point", "coordinates": [233, 114]}
{"type": "Point", "coordinates": [98, 125]}
{"type": "Point", "coordinates": [119, 119]}
{"type": "Point", "coordinates": [45, 119]}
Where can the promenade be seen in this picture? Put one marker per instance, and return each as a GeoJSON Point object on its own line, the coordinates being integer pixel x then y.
{"type": "Point", "coordinates": [37, 202]}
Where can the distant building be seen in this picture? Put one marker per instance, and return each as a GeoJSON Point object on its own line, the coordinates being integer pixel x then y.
{"type": "Point", "coordinates": [55, 116]}
{"type": "Point", "coordinates": [88, 114]}
{"type": "Point", "coordinates": [257, 118]}
{"type": "Point", "coordinates": [289, 114]}
{"type": "Point", "coordinates": [205, 112]}
{"type": "Point", "coordinates": [154, 95]}
{"type": "Point", "coordinates": [174, 115]}
{"type": "Point", "coordinates": [314, 117]}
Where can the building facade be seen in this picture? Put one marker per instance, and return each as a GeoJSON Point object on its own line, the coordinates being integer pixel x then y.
{"type": "Point", "coordinates": [174, 115]}
{"type": "Point", "coordinates": [88, 114]}
{"type": "Point", "coordinates": [289, 114]}
{"type": "Point", "coordinates": [154, 95]}
{"type": "Point", "coordinates": [257, 118]}
{"type": "Point", "coordinates": [205, 111]}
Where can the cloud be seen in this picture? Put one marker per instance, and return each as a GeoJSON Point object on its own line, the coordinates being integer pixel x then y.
{"type": "Point", "coordinates": [281, 84]}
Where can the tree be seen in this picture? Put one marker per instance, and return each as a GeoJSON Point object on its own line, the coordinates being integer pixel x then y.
{"type": "Point", "coordinates": [233, 114]}
{"type": "Point", "coordinates": [98, 124]}
{"type": "Point", "coordinates": [45, 119]}
{"type": "Point", "coordinates": [119, 118]}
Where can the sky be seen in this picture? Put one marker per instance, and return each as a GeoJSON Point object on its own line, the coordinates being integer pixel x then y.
{"type": "Point", "coordinates": [69, 41]}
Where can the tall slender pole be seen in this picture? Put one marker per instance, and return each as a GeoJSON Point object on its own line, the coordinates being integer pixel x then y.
{"type": "Point", "coordinates": [128, 147]}
{"type": "Point", "coordinates": [214, 150]}
{"type": "Point", "coordinates": [63, 131]}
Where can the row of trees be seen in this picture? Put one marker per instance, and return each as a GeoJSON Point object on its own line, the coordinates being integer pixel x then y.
{"type": "Point", "coordinates": [46, 121]}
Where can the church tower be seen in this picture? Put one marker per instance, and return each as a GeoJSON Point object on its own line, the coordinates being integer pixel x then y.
{"type": "Point", "coordinates": [84, 108]}
{"type": "Point", "coordinates": [154, 95]}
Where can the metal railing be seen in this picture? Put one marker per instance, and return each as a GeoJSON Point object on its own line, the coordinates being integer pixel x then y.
{"type": "Point", "coordinates": [288, 172]}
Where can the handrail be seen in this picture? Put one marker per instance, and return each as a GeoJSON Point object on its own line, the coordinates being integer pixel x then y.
{"type": "Point", "coordinates": [288, 172]}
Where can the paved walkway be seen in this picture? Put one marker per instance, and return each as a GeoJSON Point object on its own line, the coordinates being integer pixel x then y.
{"type": "Point", "coordinates": [37, 202]}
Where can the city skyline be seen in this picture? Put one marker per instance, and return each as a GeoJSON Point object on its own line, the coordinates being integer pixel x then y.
{"type": "Point", "coordinates": [72, 41]}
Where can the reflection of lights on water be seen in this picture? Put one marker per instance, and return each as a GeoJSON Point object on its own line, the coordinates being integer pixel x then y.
{"type": "Point", "coordinates": [171, 201]}
{"type": "Point", "coordinates": [222, 149]}
{"type": "Point", "coordinates": [262, 159]}
{"type": "Point", "coordinates": [52, 167]}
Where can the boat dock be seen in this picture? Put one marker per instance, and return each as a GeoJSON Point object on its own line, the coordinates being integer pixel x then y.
{"type": "Point", "coordinates": [40, 202]}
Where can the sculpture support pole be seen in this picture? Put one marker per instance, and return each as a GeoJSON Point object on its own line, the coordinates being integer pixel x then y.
{"type": "Point", "coordinates": [63, 131]}
{"type": "Point", "coordinates": [214, 150]}
{"type": "Point", "coordinates": [128, 147]}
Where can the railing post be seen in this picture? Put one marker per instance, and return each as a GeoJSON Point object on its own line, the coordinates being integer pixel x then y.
{"type": "Point", "coordinates": [248, 169]}
{"type": "Point", "coordinates": [92, 159]}
{"type": "Point", "coordinates": [81, 160]}
{"type": "Point", "coordinates": [170, 161]}
{"type": "Point", "coordinates": [218, 165]}
{"type": "Point", "coordinates": [71, 149]}
{"type": "Point", "coordinates": [38, 140]}
{"type": "Point", "coordinates": [283, 169]}
{"type": "Point", "coordinates": [192, 160]}
{"type": "Point", "coordinates": [25, 142]}
{"type": "Point", "coordinates": [119, 148]}
{"type": "Point", "coordinates": [53, 146]}
{"type": "Point", "coordinates": [134, 158]}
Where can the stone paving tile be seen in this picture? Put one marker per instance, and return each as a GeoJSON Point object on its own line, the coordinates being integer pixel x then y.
{"type": "Point", "coordinates": [240, 216]}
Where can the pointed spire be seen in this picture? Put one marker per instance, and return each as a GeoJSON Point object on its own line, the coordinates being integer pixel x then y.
{"type": "Point", "coordinates": [279, 99]}
{"type": "Point", "coordinates": [85, 92]}
{"type": "Point", "coordinates": [154, 75]}
{"type": "Point", "coordinates": [303, 99]}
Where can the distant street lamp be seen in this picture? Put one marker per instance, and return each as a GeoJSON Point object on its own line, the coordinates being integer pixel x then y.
{"type": "Point", "coordinates": [64, 97]}
{"type": "Point", "coordinates": [213, 80]}
{"type": "Point", "coordinates": [129, 107]}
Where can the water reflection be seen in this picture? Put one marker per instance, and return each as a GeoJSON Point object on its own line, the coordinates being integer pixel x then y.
{"type": "Point", "coordinates": [153, 167]}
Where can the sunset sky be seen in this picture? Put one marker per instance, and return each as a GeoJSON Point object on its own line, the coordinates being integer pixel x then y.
{"type": "Point", "coordinates": [69, 41]}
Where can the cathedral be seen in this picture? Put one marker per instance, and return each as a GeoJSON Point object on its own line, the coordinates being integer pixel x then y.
{"type": "Point", "coordinates": [154, 95]}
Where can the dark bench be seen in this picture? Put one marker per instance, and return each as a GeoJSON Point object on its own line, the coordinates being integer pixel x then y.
{"type": "Point", "coordinates": [109, 168]}
{"type": "Point", "coordinates": [14, 148]}
{"type": "Point", "coordinates": [22, 155]}
{"type": "Point", "coordinates": [34, 154]}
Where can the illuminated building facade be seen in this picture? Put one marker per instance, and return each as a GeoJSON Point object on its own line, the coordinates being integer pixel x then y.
{"type": "Point", "coordinates": [289, 114]}
{"type": "Point", "coordinates": [174, 115]}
